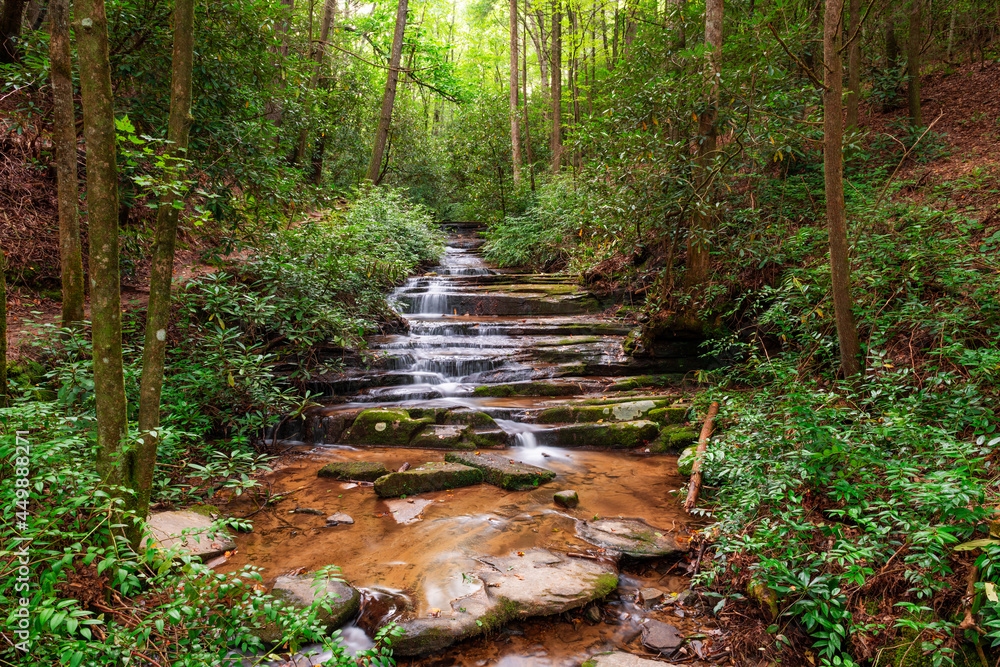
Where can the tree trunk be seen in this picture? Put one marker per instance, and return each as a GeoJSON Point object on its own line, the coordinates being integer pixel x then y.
{"type": "Point", "coordinates": [854, 64]}
{"type": "Point", "coordinates": [10, 29]}
{"type": "Point", "coordinates": [91, 28]}
{"type": "Point", "coordinates": [913, 64]}
{"type": "Point", "coordinates": [527, 121]}
{"type": "Point", "coordinates": [68, 185]}
{"type": "Point", "coordinates": [36, 13]}
{"type": "Point", "coordinates": [3, 328]}
{"type": "Point", "coordinates": [389, 98]}
{"type": "Point", "coordinates": [515, 126]}
{"type": "Point", "coordinates": [951, 34]}
{"type": "Point", "coordinates": [161, 272]}
{"type": "Point", "coordinates": [891, 44]}
{"type": "Point", "coordinates": [318, 53]}
{"type": "Point", "coordinates": [680, 39]}
{"type": "Point", "coordinates": [555, 139]}
{"type": "Point", "coordinates": [833, 170]}
{"type": "Point", "coordinates": [274, 111]}
{"type": "Point", "coordinates": [701, 224]}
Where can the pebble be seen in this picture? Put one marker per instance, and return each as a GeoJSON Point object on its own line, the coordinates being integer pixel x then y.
{"type": "Point", "coordinates": [339, 518]}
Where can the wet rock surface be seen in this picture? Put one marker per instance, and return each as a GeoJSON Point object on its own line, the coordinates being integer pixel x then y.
{"type": "Point", "coordinates": [633, 537]}
{"type": "Point", "coordinates": [503, 471]}
{"type": "Point", "coordinates": [190, 531]}
{"type": "Point", "coordinates": [432, 476]}
{"type": "Point", "coordinates": [365, 471]}
{"type": "Point", "coordinates": [342, 601]}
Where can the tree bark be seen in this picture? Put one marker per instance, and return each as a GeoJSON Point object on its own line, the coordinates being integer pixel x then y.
{"type": "Point", "coordinates": [389, 97]}
{"type": "Point", "coordinates": [706, 432]}
{"type": "Point", "coordinates": [3, 328]}
{"type": "Point", "coordinates": [854, 64]}
{"type": "Point", "coordinates": [913, 64]}
{"type": "Point", "coordinates": [68, 185]}
{"type": "Point", "coordinates": [91, 27]}
{"type": "Point", "coordinates": [161, 274]}
{"type": "Point", "coordinates": [529, 154]}
{"type": "Point", "coordinates": [274, 110]}
{"type": "Point", "coordinates": [555, 139]}
{"type": "Point", "coordinates": [515, 126]}
{"type": "Point", "coordinates": [701, 224]}
{"type": "Point", "coordinates": [833, 170]}
{"type": "Point", "coordinates": [10, 29]}
{"type": "Point", "coordinates": [318, 54]}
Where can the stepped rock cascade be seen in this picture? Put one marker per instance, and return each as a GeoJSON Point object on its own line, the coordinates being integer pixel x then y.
{"type": "Point", "coordinates": [437, 459]}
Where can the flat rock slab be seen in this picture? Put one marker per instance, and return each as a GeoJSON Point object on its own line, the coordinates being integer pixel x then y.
{"type": "Point", "coordinates": [618, 412]}
{"type": "Point", "coordinates": [521, 585]}
{"type": "Point", "coordinates": [502, 471]}
{"type": "Point", "coordinates": [407, 511]}
{"type": "Point", "coordinates": [621, 659]}
{"type": "Point", "coordinates": [661, 637]}
{"type": "Point", "coordinates": [301, 591]}
{"type": "Point", "coordinates": [613, 435]}
{"type": "Point", "coordinates": [427, 477]}
{"type": "Point", "coordinates": [190, 531]}
{"type": "Point", "coordinates": [363, 471]}
{"type": "Point", "coordinates": [448, 436]}
{"type": "Point", "coordinates": [632, 537]}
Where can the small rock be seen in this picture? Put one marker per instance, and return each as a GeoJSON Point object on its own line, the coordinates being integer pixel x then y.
{"type": "Point", "coordinates": [567, 498]}
{"type": "Point", "coordinates": [650, 597]}
{"type": "Point", "coordinates": [339, 518]}
{"type": "Point", "coordinates": [305, 510]}
{"type": "Point", "coordinates": [661, 637]}
{"type": "Point", "coordinates": [593, 614]}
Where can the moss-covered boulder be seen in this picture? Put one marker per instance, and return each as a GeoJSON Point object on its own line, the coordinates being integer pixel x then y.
{"type": "Point", "coordinates": [668, 415]}
{"type": "Point", "coordinates": [433, 476]}
{"type": "Point", "coordinates": [577, 414]}
{"type": "Point", "coordinates": [674, 438]}
{"type": "Point", "coordinates": [384, 427]}
{"type": "Point", "coordinates": [502, 471]}
{"type": "Point", "coordinates": [611, 435]}
{"type": "Point", "coordinates": [360, 471]}
{"type": "Point", "coordinates": [469, 417]}
{"type": "Point", "coordinates": [640, 381]}
{"type": "Point", "coordinates": [436, 415]}
{"type": "Point", "coordinates": [489, 439]}
{"type": "Point", "coordinates": [443, 436]}
{"type": "Point", "coordinates": [526, 389]}
{"type": "Point", "coordinates": [340, 602]}
{"type": "Point", "coordinates": [686, 461]}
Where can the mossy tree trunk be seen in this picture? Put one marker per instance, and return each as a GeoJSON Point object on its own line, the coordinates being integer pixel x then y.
{"type": "Point", "coordinates": [10, 29]}
{"type": "Point", "coordinates": [389, 96]}
{"type": "Point", "coordinates": [64, 140]}
{"type": "Point", "coordinates": [833, 169]}
{"type": "Point", "coordinates": [555, 139]}
{"type": "Point", "coordinates": [143, 460]}
{"type": "Point", "coordinates": [91, 29]}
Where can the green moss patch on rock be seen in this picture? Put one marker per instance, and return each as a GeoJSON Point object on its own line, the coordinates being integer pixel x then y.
{"type": "Point", "coordinates": [489, 439]}
{"type": "Point", "coordinates": [384, 427]}
{"type": "Point", "coordinates": [669, 415]}
{"type": "Point", "coordinates": [612, 435]}
{"type": "Point", "coordinates": [437, 415]}
{"type": "Point", "coordinates": [362, 471]}
{"type": "Point", "coordinates": [577, 414]}
{"type": "Point", "coordinates": [433, 476]}
{"type": "Point", "coordinates": [470, 417]}
{"type": "Point", "coordinates": [639, 381]}
{"type": "Point", "coordinates": [526, 389]}
{"type": "Point", "coordinates": [442, 436]}
{"type": "Point", "coordinates": [674, 439]}
{"type": "Point", "coordinates": [501, 471]}
{"type": "Point", "coordinates": [686, 461]}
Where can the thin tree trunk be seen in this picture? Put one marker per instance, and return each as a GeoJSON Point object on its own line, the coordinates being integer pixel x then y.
{"type": "Point", "coordinates": [515, 128]}
{"type": "Point", "coordinates": [694, 486]}
{"type": "Point", "coordinates": [891, 44]}
{"type": "Point", "coordinates": [68, 185]}
{"type": "Point", "coordinates": [529, 153]}
{"type": "Point", "coordinates": [951, 34]}
{"type": "Point", "coordinates": [913, 64]}
{"type": "Point", "coordinates": [318, 53]}
{"type": "Point", "coordinates": [389, 97]}
{"type": "Point", "coordinates": [555, 139]}
{"type": "Point", "coordinates": [701, 224]}
{"type": "Point", "coordinates": [3, 328]}
{"type": "Point", "coordinates": [10, 29]}
{"type": "Point", "coordinates": [854, 64]}
{"type": "Point", "coordinates": [614, 40]}
{"type": "Point", "coordinates": [680, 38]}
{"type": "Point", "coordinates": [833, 170]}
{"type": "Point", "coordinates": [91, 27]}
{"type": "Point", "coordinates": [158, 311]}
{"type": "Point", "coordinates": [36, 13]}
{"type": "Point", "coordinates": [274, 110]}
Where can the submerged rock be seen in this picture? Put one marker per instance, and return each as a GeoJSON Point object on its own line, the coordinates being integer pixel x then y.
{"type": "Point", "coordinates": [633, 537]}
{"type": "Point", "coordinates": [661, 637]}
{"type": "Point", "coordinates": [622, 659]}
{"type": "Point", "coordinates": [567, 498]}
{"type": "Point", "coordinates": [433, 476]}
{"type": "Point", "coordinates": [613, 435]}
{"type": "Point", "coordinates": [501, 471]}
{"type": "Point", "coordinates": [384, 427]}
{"type": "Point", "coordinates": [342, 600]}
{"type": "Point", "coordinates": [448, 436]}
{"type": "Point", "coordinates": [362, 471]}
{"type": "Point", "coordinates": [190, 531]}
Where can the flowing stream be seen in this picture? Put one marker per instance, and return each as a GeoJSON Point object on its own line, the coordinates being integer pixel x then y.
{"type": "Point", "coordinates": [472, 327]}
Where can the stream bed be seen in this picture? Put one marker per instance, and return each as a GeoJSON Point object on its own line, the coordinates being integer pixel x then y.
{"type": "Point", "coordinates": [499, 375]}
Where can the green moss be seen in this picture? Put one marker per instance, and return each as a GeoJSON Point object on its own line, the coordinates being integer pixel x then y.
{"type": "Point", "coordinates": [434, 476]}
{"type": "Point", "coordinates": [471, 418]}
{"type": "Point", "coordinates": [204, 510]}
{"type": "Point", "coordinates": [365, 471]}
{"type": "Point", "coordinates": [666, 380]}
{"type": "Point", "coordinates": [384, 427]}
{"type": "Point", "coordinates": [669, 415]}
{"type": "Point", "coordinates": [504, 611]}
{"type": "Point", "coordinates": [686, 461]}
{"type": "Point", "coordinates": [673, 439]}
{"type": "Point", "coordinates": [525, 389]}
{"type": "Point", "coordinates": [613, 435]}
{"type": "Point", "coordinates": [501, 471]}
{"type": "Point", "coordinates": [436, 414]}
{"type": "Point", "coordinates": [496, 439]}
{"type": "Point", "coordinates": [605, 584]}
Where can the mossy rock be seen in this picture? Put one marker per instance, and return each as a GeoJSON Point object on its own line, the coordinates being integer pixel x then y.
{"type": "Point", "coordinates": [669, 415]}
{"type": "Point", "coordinates": [434, 476]}
{"type": "Point", "coordinates": [437, 415]}
{"type": "Point", "coordinates": [443, 436]}
{"type": "Point", "coordinates": [525, 389]}
{"type": "Point", "coordinates": [686, 461]}
{"type": "Point", "coordinates": [491, 439]}
{"type": "Point", "coordinates": [343, 602]}
{"type": "Point", "coordinates": [639, 381]}
{"type": "Point", "coordinates": [617, 412]}
{"type": "Point", "coordinates": [612, 435]}
{"type": "Point", "coordinates": [674, 438]}
{"type": "Point", "coordinates": [384, 427]}
{"type": "Point", "coordinates": [362, 471]}
{"type": "Point", "coordinates": [501, 471]}
{"type": "Point", "coordinates": [470, 417]}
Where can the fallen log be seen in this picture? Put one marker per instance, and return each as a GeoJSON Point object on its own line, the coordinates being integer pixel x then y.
{"type": "Point", "coordinates": [706, 432]}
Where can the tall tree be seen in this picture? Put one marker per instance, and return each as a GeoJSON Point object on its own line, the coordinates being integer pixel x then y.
{"type": "Point", "coordinates": [555, 139]}
{"type": "Point", "coordinates": [515, 128]}
{"type": "Point", "coordinates": [853, 63]}
{"type": "Point", "coordinates": [102, 211]}
{"type": "Point", "coordinates": [3, 328]}
{"type": "Point", "coordinates": [142, 461]}
{"type": "Point", "coordinates": [833, 170]}
{"type": "Point", "coordinates": [10, 29]}
{"type": "Point", "coordinates": [389, 96]}
{"type": "Point", "coordinates": [318, 54]}
{"type": "Point", "coordinates": [68, 186]}
{"type": "Point", "coordinates": [701, 223]}
{"type": "Point", "coordinates": [913, 63]}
